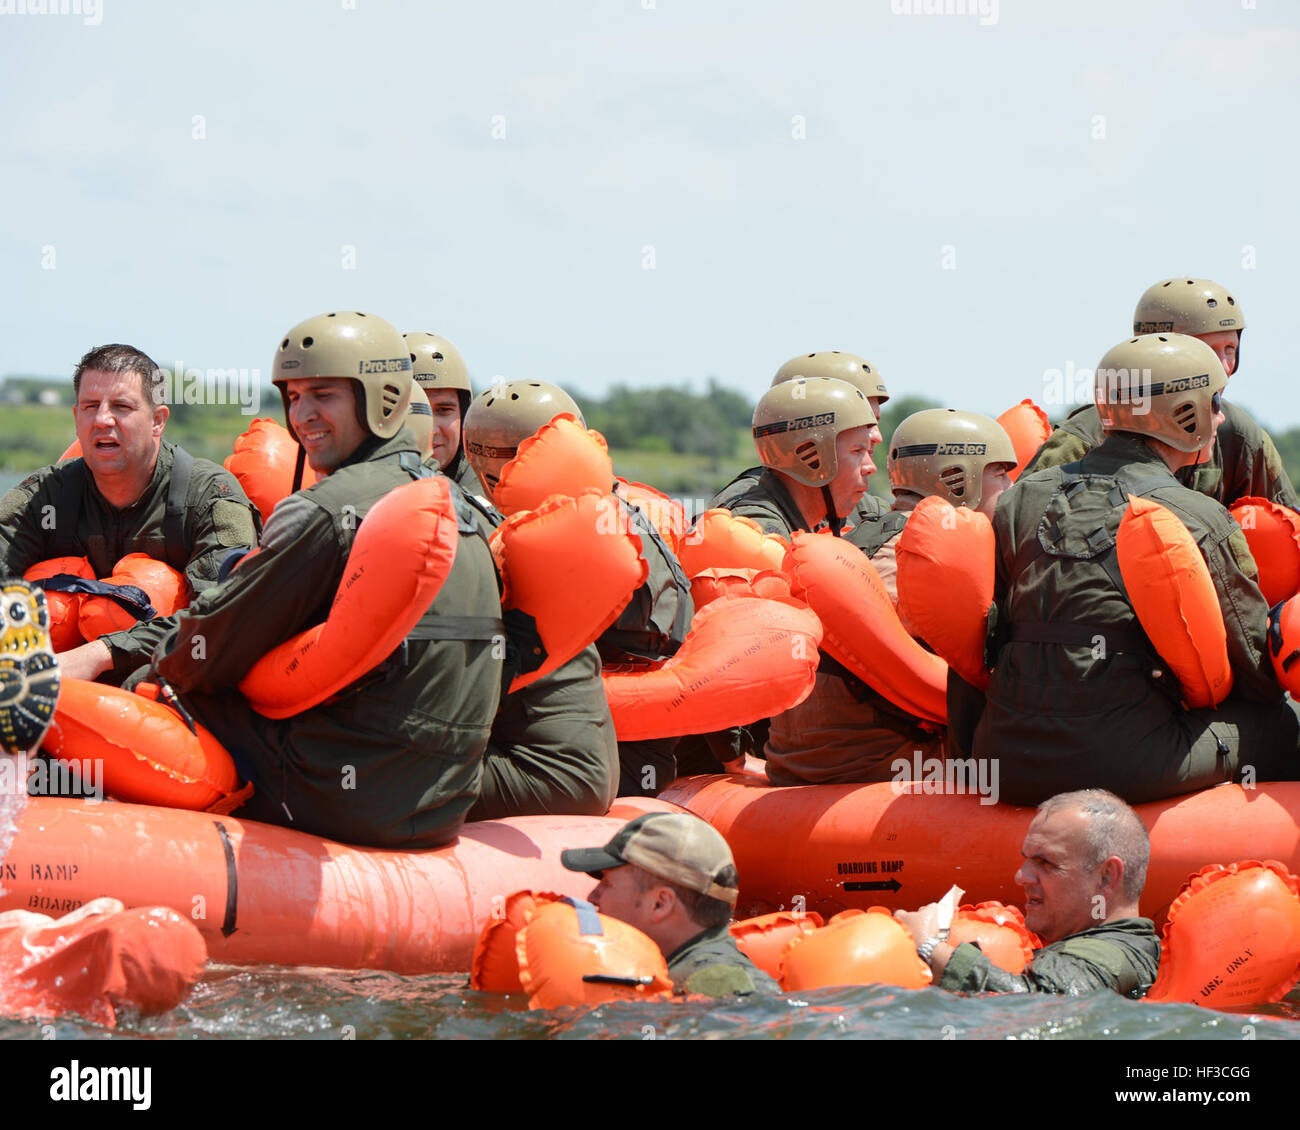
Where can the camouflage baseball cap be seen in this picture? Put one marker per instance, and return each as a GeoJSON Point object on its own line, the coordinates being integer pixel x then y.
{"type": "Point", "coordinates": [675, 846]}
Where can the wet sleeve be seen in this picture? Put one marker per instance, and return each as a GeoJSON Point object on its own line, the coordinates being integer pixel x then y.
{"type": "Point", "coordinates": [1053, 970]}
{"type": "Point", "coordinates": [273, 595]}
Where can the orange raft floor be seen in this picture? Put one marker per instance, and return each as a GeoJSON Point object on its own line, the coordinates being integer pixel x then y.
{"type": "Point", "coordinates": [266, 895]}
{"type": "Point", "coordinates": [826, 848]}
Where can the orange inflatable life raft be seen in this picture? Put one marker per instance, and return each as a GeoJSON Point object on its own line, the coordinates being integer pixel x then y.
{"type": "Point", "coordinates": [1273, 534]}
{"type": "Point", "coordinates": [862, 630]}
{"type": "Point", "coordinates": [262, 895]}
{"type": "Point", "coordinates": [561, 457]}
{"type": "Point", "coordinates": [744, 658]}
{"type": "Point", "coordinates": [401, 556]}
{"type": "Point", "coordinates": [1175, 600]}
{"type": "Point", "coordinates": [64, 607]}
{"type": "Point", "coordinates": [895, 844]}
{"type": "Point", "coordinates": [945, 583]}
{"type": "Point", "coordinates": [572, 565]}
{"type": "Point", "coordinates": [1232, 938]}
{"type": "Point", "coordinates": [96, 960]}
{"type": "Point", "coordinates": [723, 540]}
{"type": "Point", "coordinates": [263, 461]}
{"type": "Point", "coordinates": [855, 948]}
{"type": "Point", "coordinates": [1029, 428]}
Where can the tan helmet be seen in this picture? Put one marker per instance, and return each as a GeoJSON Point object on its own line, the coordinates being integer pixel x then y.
{"type": "Point", "coordinates": [436, 363]}
{"type": "Point", "coordinates": [1187, 306]}
{"type": "Point", "coordinates": [1160, 385]}
{"type": "Point", "coordinates": [858, 371]}
{"type": "Point", "coordinates": [796, 422]}
{"type": "Point", "coordinates": [500, 419]}
{"type": "Point", "coordinates": [943, 451]}
{"type": "Point", "coordinates": [419, 421]}
{"type": "Point", "coordinates": [361, 347]}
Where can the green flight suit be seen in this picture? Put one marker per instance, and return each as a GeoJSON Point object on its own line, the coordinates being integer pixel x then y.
{"type": "Point", "coordinates": [1122, 956]}
{"type": "Point", "coordinates": [393, 760]}
{"type": "Point", "coordinates": [1064, 711]}
{"type": "Point", "coordinates": [1243, 462]}
{"type": "Point", "coordinates": [215, 519]}
{"type": "Point", "coordinates": [740, 489]}
{"type": "Point", "coordinates": [712, 965]}
{"type": "Point", "coordinates": [552, 749]}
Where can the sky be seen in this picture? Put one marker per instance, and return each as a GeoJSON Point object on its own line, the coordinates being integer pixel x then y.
{"type": "Point", "coordinates": [970, 193]}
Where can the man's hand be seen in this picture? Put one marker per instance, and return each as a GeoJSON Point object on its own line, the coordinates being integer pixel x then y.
{"type": "Point", "coordinates": [922, 923]}
{"type": "Point", "coordinates": [88, 661]}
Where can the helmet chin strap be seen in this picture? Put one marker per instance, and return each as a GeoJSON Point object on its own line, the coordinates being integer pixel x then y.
{"type": "Point", "coordinates": [298, 469]}
{"type": "Point", "coordinates": [836, 522]}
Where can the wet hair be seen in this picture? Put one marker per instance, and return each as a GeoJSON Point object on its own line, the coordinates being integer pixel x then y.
{"type": "Point", "coordinates": [707, 911]}
{"type": "Point", "coordinates": [123, 359]}
{"type": "Point", "coordinates": [1113, 829]}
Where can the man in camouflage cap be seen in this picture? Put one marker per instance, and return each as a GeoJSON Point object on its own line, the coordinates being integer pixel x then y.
{"type": "Point", "coordinates": [672, 876]}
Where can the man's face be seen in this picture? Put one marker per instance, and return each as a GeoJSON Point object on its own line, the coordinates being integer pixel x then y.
{"type": "Point", "coordinates": [1059, 889]}
{"type": "Point", "coordinates": [1224, 343]}
{"type": "Point", "coordinates": [322, 411]}
{"type": "Point", "coordinates": [445, 403]}
{"type": "Point", "coordinates": [620, 895]}
{"type": "Point", "coordinates": [854, 464]}
{"type": "Point", "coordinates": [120, 431]}
{"type": "Point", "coordinates": [996, 479]}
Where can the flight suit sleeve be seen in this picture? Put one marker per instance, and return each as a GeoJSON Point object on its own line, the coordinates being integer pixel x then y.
{"type": "Point", "coordinates": [1265, 475]}
{"type": "Point", "coordinates": [23, 542]}
{"type": "Point", "coordinates": [221, 518]}
{"type": "Point", "coordinates": [1078, 966]}
{"type": "Point", "coordinates": [274, 594]}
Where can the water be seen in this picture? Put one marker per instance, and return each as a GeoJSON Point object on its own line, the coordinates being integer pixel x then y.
{"type": "Point", "coordinates": [279, 1003]}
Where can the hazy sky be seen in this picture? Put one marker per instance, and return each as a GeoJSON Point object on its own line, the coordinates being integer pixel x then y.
{"type": "Point", "coordinates": [651, 191]}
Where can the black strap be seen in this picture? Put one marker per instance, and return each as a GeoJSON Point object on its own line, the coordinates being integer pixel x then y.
{"type": "Point", "coordinates": [178, 489]}
{"type": "Point", "coordinates": [656, 644]}
{"type": "Point", "coordinates": [458, 628]}
{"type": "Point", "coordinates": [1113, 638]}
{"type": "Point", "coordinates": [70, 499]}
{"type": "Point", "coordinates": [131, 597]}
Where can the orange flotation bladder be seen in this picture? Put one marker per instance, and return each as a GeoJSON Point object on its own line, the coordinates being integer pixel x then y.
{"type": "Point", "coordinates": [707, 586]}
{"type": "Point", "coordinates": [96, 960]}
{"type": "Point", "coordinates": [64, 607]}
{"type": "Point", "coordinates": [147, 752]}
{"type": "Point", "coordinates": [562, 458]}
{"type": "Point", "coordinates": [666, 514]}
{"type": "Point", "coordinates": [1175, 600]}
{"type": "Point", "coordinates": [571, 955]}
{"type": "Point", "coordinates": [722, 540]}
{"type": "Point", "coordinates": [855, 947]}
{"type": "Point", "coordinates": [1000, 931]}
{"type": "Point", "coordinates": [1029, 428]}
{"type": "Point", "coordinates": [1273, 534]}
{"type": "Point", "coordinates": [495, 966]}
{"type": "Point", "coordinates": [167, 590]}
{"type": "Point", "coordinates": [263, 461]}
{"type": "Point", "coordinates": [401, 556]}
{"type": "Point", "coordinates": [945, 583]}
{"type": "Point", "coordinates": [572, 565]}
{"type": "Point", "coordinates": [1284, 644]}
{"type": "Point", "coordinates": [744, 658]}
{"type": "Point", "coordinates": [1232, 938]}
{"type": "Point", "coordinates": [73, 452]}
{"type": "Point", "coordinates": [863, 631]}
{"type": "Point", "coordinates": [764, 939]}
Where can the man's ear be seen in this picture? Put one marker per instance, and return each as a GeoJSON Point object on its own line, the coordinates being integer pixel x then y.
{"type": "Point", "coordinates": [160, 414]}
{"type": "Point", "coordinates": [664, 902]}
{"type": "Point", "coordinates": [1112, 876]}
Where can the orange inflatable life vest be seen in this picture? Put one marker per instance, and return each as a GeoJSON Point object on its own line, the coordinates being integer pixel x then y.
{"type": "Point", "coordinates": [1175, 600]}
{"type": "Point", "coordinates": [855, 947]}
{"type": "Point", "coordinates": [744, 658]}
{"type": "Point", "coordinates": [569, 954]}
{"type": "Point", "coordinates": [667, 515]}
{"type": "Point", "coordinates": [147, 752]}
{"type": "Point", "coordinates": [945, 583]}
{"type": "Point", "coordinates": [764, 939]}
{"type": "Point", "coordinates": [1284, 644]}
{"type": "Point", "coordinates": [1232, 938]}
{"type": "Point", "coordinates": [1029, 428]}
{"type": "Point", "coordinates": [572, 565]}
{"type": "Point", "coordinates": [1273, 534]}
{"type": "Point", "coordinates": [96, 960]}
{"type": "Point", "coordinates": [263, 461]}
{"type": "Point", "coordinates": [1000, 931]}
{"type": "Point", "coordinates": [495, 965]}
{"type": "Point", "coordinates": [723, 540]}
{"type": "Point", "coordinates": [167, 590]}
{"type": "Point", "coordinates": [862, 630]}
{"type": "Point", "coordinates": [562, 458]}
{"type": "Point", "coordinates": [710, 584]}
{"type": "Point", "coordinates": [64, 607]}
{"type": "Point", "coordinates": [401, 556]}
{"type": "Point", "coordinates": [73, 452]}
